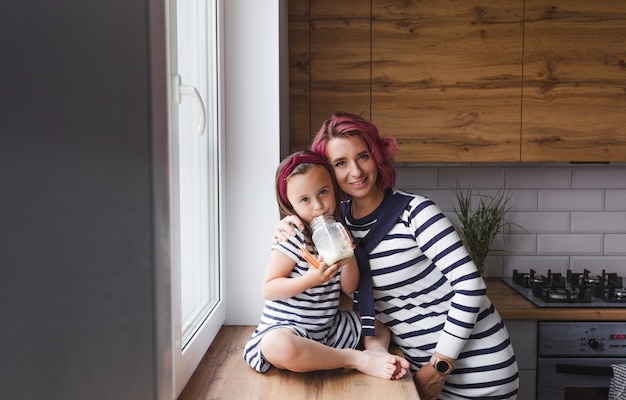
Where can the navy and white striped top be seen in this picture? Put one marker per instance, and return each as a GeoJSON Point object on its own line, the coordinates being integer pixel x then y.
{"type": "Point", "coordinates": [313, 314]}
{"type": "Point", "coordinates": [429, 293]}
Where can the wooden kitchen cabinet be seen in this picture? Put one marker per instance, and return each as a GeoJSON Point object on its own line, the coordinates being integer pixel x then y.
{"type": "Point", "coordinates": [443, 78]}
{"type": "Point", "coordinates": [329, 59]}
{"type": "Point", "coordinates": [532, 80]}
{"type": "Point", "coordinates": [299, 76]}
{"type": "Point", "coordinates": [574, 98]}
{"type": "Point", "coordinates": [447, 78]}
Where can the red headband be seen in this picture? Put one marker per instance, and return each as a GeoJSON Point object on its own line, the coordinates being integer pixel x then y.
{"type": "Point", "coordinates": [291, 164]}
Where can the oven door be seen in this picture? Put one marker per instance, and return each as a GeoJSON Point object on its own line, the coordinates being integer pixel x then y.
{"type": "Point", "coordinates": [575, 378]}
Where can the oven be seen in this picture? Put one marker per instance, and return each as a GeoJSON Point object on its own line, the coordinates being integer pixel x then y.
{"type": "Point", "coordinates": [574, 359]}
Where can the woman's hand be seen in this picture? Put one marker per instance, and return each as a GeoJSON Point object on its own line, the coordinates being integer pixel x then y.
{"type": "Point", "coordinates": [286, 227]}
{"type": "Point", "coordinates": [428, 382]}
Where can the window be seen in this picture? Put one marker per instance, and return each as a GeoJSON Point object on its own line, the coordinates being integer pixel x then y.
{"type": "Point", "coordinates": [198, 309]}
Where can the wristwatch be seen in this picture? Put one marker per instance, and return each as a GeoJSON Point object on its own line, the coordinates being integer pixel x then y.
{"type": "Point", "coordinates": [441, 365]}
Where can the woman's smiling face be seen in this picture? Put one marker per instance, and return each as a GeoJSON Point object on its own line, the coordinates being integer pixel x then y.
{"type": "Point", "coordinates": [355, 169]}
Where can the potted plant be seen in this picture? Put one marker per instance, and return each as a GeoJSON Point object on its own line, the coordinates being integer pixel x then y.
{"type": "Point", "coordinates": [479, 225]}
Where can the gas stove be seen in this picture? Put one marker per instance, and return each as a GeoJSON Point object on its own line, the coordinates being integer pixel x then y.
{"type": "Point", "coordinates": [571, 289]}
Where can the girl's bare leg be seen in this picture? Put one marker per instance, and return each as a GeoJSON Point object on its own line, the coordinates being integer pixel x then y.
{"type": "Point", "coordinates": [286, 350]}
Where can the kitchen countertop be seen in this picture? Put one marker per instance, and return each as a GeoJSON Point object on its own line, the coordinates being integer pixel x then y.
{"type": "Point", "coordinates": [513, 306]}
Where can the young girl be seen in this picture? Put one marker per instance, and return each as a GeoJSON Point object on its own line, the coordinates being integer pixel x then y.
{"type": "Point", "coordinates": [302, 328]}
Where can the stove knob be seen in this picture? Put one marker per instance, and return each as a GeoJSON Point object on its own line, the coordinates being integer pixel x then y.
{"type": "Point", "coordinates": [594, 344]}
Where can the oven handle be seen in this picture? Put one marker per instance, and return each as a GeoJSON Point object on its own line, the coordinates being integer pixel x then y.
{"type": "Point", "coordinates": [583, 370]}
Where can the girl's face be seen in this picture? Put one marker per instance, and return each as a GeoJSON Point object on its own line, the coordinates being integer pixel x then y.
{"type": "Point", "coordinates": [355, 169]}
{"type": "Point", "coordinates": [312, 194]}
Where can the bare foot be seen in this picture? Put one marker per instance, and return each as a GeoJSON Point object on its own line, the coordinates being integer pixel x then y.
{"type": "Point", "coordinates": [386, 366]}
{"type": "Point", "coordinates": [401, 366]}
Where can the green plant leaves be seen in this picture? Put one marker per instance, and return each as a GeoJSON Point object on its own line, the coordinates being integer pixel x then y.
{"type": "Point", "coordinates": [478, 228]}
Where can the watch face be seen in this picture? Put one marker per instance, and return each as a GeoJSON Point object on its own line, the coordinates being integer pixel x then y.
{"type": "Point", "coordinates": [442, 366]}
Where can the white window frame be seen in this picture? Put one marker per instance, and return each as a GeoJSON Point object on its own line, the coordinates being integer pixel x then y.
{"type": "Point", "coordinates": [180, 358]}
{"type": "Point", "coordinates": [189, 347]}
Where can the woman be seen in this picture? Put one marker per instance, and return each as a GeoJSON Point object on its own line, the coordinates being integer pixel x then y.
{"type": "Point", "coordinates": [415, 270]}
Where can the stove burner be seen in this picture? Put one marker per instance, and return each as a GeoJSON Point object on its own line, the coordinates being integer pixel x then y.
{"type": "Point", "coordinates": [573, 287]}
{"type": "Point", "coordinates": [562, 294]}
{"type": "Point", "coordinates": [581, 279]}
{"type": "Point", "coordinates": [610, 288]}
{"type": "Point", "coordinates": [559, 294]}
{"type": "Point", "coordinates": [528, 280]}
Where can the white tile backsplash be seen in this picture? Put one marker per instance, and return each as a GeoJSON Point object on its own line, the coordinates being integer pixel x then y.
{"type": "Point", "coordinates": [600, 222]}
{"type": "Point", "coordinates": [539, 178]}
{"type": "Point", "coordinates": [571, 200]}
{"type": "Point", "coordinates": [573, 216]}
{"type": "Point", "coordinates": [523, 200]}
{"type": "Point", "coordinates": [416, 178]}
{"type": "Point", "coordinates": [616, 200]}
{"type": "Point", "coordinates": [540, 222]}
{"type": "Point", "coordinates": [615, 244]}
{"type": "Point", "coordinates": [522, 244]}
{"type": "Point", "coordinates": [581, 244]}
{"type": "Point", "coordinates": [477, 177]}
{"type": "Point", "coordinates": [599, 177]}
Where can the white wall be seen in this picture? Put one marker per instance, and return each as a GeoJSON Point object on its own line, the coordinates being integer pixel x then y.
{"type": "Point", "coordinates": [252, 124]}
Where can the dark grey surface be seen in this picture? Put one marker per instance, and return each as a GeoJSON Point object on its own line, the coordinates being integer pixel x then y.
{"type": "Point", "coordinates": [76, 244]}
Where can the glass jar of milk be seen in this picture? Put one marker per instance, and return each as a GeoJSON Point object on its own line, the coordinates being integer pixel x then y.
{"type": "Point", "coordinates": [331, 240]}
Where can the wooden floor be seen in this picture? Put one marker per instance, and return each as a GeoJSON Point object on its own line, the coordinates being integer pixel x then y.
{"type": "Point", "coordinates": [223, 374]}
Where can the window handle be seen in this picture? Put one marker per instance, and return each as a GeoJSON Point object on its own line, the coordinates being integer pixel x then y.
{"type": "Point", "coordinates": [179, 90]}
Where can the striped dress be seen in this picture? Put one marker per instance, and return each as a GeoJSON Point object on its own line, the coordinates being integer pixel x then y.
{"type": "Point", "coordinates": [431, 296]}
{"type": "Point", "coordinates": [313, 314]}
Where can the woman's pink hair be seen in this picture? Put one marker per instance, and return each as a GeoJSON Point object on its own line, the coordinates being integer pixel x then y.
{"type": "Point", "coordinates": [382, 149]}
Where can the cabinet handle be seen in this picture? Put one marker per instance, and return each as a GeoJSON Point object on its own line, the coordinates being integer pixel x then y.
{"type": "Point", "coordinates": [575, 369]}
{"type": "Point", "coordinates": [179, 89]}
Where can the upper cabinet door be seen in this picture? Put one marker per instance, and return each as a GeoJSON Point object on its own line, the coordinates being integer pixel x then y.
{"type": "Point", "coordinates": [574, 103]}
{"type": "Point", "coordinates": [299, 76]}
{"type": "Point", "coordinates": [340, 58]}
{"type": "Point", "coordinates": [447, 78]}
